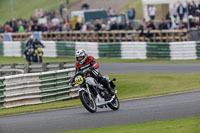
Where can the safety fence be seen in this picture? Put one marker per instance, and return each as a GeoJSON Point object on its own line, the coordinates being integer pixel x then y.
{"type": "Point", "coordinates": [124, 50]}
{"type": "Point", "coordinates": [15, 68]}
{"type": "Point", "coordinates": [103, 36]}
{"type": "Point", "coordinates": [37, 88]}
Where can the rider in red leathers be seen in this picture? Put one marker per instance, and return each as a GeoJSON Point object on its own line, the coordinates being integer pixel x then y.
{"type": "Point", "coordinates": [84, 62]}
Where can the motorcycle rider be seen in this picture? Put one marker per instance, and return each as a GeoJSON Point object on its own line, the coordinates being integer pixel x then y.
{"type": "Point", "coordinates": [33, 48]}
{"type": "Point", "coordinates": [84, 62]}
{"type": "Point", "coordinates": [37, 45]}
{"type": "Point", "coordinates": [29, 50]}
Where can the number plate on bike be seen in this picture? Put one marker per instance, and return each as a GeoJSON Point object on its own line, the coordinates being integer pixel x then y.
{"type": "Point", "coordinates": [79, 80]}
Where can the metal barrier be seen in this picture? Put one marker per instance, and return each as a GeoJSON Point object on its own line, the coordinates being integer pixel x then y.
{"type": "Point", "coordinates": [12, 69]}
{"type": "Point", "coordinates": [109, 36]}
{"type": "Point", "coordinates": [36, 88]}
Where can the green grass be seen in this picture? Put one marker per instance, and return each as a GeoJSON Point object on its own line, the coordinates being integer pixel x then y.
{"type": "Point", "coordinates": [26, 8]}
{"type": "Point", "coordinates": [132, 86]}
{"type": "Point", "coordinates": [187, 125]}
{"type": "Point", "coordinates": [129, 86]}
{"type": "Point", "coordinates": [8, 60]}
{"type": "Point", "coordinates": [40, 107]}
{"type": "Point", "coordinates": [4, 60]}
{"type": "Point", "coordinates": [117, 60]}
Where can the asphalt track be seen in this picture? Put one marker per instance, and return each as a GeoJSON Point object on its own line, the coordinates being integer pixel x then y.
{"type": "Point", "coordinates": [166, 107]}
{"type": "Point", "coordinates": [149, 68]}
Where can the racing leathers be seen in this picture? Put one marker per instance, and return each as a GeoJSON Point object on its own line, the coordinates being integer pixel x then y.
{"type": "Point", "coordinates": [33, 50]}
{"type": "Point", "coordinates": [94, 72]}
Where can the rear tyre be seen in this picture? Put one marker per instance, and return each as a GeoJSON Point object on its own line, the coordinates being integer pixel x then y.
{"type": "Point", "coordinates": [114, 105]}
{"type": "Point", "coordinates": [88, 103]}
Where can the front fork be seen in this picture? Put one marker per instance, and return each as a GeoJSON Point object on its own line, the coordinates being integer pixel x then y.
{"type": "Point", "coordinates": [87, 91]}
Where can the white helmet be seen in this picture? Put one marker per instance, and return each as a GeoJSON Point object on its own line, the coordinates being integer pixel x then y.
{"type": "Point", "coordinates": [81, 56]}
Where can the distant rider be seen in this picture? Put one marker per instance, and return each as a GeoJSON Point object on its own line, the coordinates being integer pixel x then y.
{"type": "Point", "coordinates": [29, 50]}
{"type": "Point", "coordinates": [84, 62]}
{"type": "Point", "coordinates": [33, 50]}
{"type": "Point", "coordinates": [38, 53]}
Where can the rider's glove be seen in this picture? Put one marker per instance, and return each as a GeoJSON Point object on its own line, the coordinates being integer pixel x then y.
{"type": "Point", "coordinates": [73, 84]}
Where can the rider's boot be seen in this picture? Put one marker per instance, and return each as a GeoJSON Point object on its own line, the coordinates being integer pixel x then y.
{"type": "Point", "coordinates": [111, 90]}
{"type": "Point", "coordinates": [106, 84]}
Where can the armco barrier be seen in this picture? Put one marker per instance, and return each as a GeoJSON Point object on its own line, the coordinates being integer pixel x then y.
{"type": "Point", "coordinates": [2, 96]}
{"type": "Point", "coordinates": [12, 69]}
{"type": "Point", "coordinates": [36, 88]}
{"type": "Point", "coordinates": [55, 86]}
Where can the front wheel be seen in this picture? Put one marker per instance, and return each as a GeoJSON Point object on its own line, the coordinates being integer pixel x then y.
{"type": "Point", "coordinates": [114, 105]}
{"type": "Point", "coordinates": [88, 103]}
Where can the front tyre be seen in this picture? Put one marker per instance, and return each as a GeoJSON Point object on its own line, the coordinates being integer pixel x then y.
{"type": "Point", "coordinates": [88, 103]}
{"type": "Point", "coordinates": [114, 105]}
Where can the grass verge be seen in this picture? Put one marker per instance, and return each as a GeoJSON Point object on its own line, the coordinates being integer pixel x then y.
{"type": "Point", "coordinates": [102, 60]}
{"type": "Point", "coordinates": [187, 125]}
{"type": "Point", "coordinates": [24, 9]}
{"type": "Point", "coordinates": [129, 86]}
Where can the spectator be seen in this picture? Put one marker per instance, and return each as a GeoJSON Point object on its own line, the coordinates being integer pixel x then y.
{"type": "Point", "coordinates": [8, 28]}
{"type": "Point", "coordinates": [52, 22]}
{"type": "Point", "coordinates": [78, 26]}
{"type": "Point", "coordinates": [34, 27]}
{"type": "Point", "coordinates": [34, 20]}
{"type": "Point", "coordinates": [194, 6]}
{"type": "Point", "coordinates": [21, 28]}
{"type": "Point", "coordinates": [174, 13]}
{"type": "Point", "coordinates": [28, 27]}
{"type": "Point", "coordinates": [182, 26]}
{"type": "Point", "coordinates": [162, 25]}
{"type": "Point", "coordinates": [43, 27]}
{"type": "Point", "coordinates": [141, 28]}
{"type": "Point", "coordinates": [190, 9]}
{"type": "Point", "coordinates": [181, 11]}
{"type": "Point", "coordinates": [169, 23]}
{"type": "Point", "coordinates": [2, 29]}
{"type": "Point", "coordinates": [199, 7]}
{"type": "Point", "coordinates": [55, 21]}
{"type": "Point", "coordinates": [15, 27]}
{"type": "Point", "coordinates": [58, 27]}
{"type": "Point", "coordinates": [84, 27]}
{"type": "Point", "coordinates": [85, 6]}
{"type": "Point", "coordinates": [113, 26]}
{"type": "Point", "coordinates": [192, 22]}
{"type": "Point", "coordinates": [150, 26]}
{"type": "Point", "coordinates": [97, 25]}
{"type": "Point", "coordinates": [61, 7]}
{"type": "Point", "coordinates": [131, 16]}
{"type": "Point", "coordinates": [66, 26]}
{"type": "Point", "coordinates": [152, 12]}
{"type": "Point", "coordinates": [120, 26]}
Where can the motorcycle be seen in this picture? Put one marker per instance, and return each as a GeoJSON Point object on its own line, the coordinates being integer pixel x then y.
{"type": "Point", "coordinates": [37, 55]}
{"type": "Point", "coordinates": [92, 94]}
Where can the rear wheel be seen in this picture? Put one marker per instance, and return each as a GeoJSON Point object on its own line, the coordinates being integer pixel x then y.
{"type": "Point", "coordinates": [88, 103]}
{"type": "Point", "coordinates": [114, 105]}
